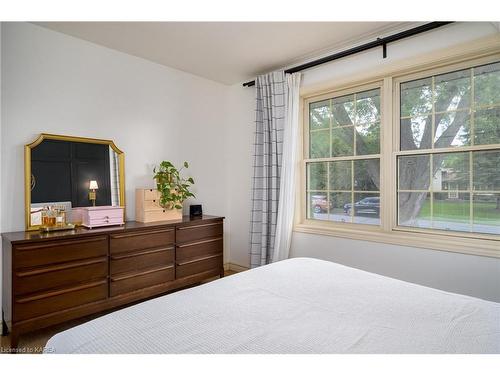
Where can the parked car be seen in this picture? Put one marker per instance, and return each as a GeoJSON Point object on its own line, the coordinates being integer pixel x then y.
{"type": "Point", "coordinates": [366, 206]}
{"type": "Point", "coordinates": [319, 204]}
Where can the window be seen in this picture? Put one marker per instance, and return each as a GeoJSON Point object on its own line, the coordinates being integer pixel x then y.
{"type": "Point", "coordinates": [423, 174]}
{"type": "Point", "coordinates": [343, 168]}
{"type": "Point", "coordinates": [440, 186]}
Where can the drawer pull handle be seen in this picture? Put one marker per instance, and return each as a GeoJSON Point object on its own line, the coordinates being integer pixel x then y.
{"type": "Point", "coordinates": [128, 276]}
{"type": "Point", "coordinates": [200, 226]}
{"type": "Point", "coordinates": [59, 292]}
{"type": "Point", "coordinates": [198, 259]}
{"type": "Point", "coordinates": [117, 236]}
{"type": "Point", "coordinates": [61, 267]}
{"type": "Point", "coordinates": [145, 252]}
{"type": "Point", "coordinates": [199, 242]}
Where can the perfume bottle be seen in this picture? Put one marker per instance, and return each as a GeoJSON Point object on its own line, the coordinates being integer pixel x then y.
{"type": "Point", "coordinates": [44, 216]}
{"type": "Point", "coordinates": [60, 216]}
{"type": "Point", "coordinates": [51, 216]}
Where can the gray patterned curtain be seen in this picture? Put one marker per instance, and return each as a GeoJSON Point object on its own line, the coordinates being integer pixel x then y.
{"type": "Point", "coordinates": [269, 125]}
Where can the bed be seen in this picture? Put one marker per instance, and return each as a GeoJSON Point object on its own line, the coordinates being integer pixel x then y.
{"type": "Point", "coordinates": [299, 305]}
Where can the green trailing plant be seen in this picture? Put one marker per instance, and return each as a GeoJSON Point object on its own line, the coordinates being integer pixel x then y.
{"type": "Point", "coordinates": [173, 188]}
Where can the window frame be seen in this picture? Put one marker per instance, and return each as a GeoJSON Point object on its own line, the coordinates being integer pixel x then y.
{"type": "Point", "coordinates": [306, 142]}
{"type": "Point", "coordinates": [397, 142]}
{"type": "Point", "coordinates": [389, 231]}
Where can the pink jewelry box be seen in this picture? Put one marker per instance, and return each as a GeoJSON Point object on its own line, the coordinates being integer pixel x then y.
{"type": "Point", "coordinates": [99, 216]}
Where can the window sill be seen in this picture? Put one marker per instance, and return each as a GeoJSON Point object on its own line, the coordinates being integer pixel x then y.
{"type": "Point", "coordinates": [452, 242]}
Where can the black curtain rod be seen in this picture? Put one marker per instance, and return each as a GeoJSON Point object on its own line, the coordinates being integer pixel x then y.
{"type": "Point", "coordinates": [376, 43]}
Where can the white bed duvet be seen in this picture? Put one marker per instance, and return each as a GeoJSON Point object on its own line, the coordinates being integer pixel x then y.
{"type": "Point", "coordinates": [299, 305]}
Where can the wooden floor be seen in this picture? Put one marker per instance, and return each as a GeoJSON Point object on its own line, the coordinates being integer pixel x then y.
{"type": "Point", "coordinates": [35, 341]}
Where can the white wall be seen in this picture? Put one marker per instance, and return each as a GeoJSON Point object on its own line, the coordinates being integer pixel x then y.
{"type": "Point", "coordinates": [58, 84]}
{"type": "Point", "coordinates": [466, 274]}
{"type": "Point", "coordinates": [239, 158]}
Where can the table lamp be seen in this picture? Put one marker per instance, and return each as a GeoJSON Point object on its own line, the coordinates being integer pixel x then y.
{"type": "Point", "coordinates": [92, 194]}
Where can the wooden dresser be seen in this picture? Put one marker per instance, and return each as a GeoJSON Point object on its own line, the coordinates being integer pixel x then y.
{"type": "Point", "coordinates": [49, 278]}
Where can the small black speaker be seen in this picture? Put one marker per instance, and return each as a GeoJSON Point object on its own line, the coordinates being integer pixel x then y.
{"type": "Point", "coordinates": [195, 210]}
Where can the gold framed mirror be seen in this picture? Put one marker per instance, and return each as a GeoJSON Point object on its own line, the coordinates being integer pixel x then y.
{"type": "Point", "coordinates": [67, 171]}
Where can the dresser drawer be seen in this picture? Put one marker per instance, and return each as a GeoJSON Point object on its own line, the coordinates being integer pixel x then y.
{"type": "Point", "coordinates": [48, 253]}
{"type": "Point", "coordinates": [134, 261]}
{"type": "Point", "coordinates": [56, 276]}
{"type": "Point", "coordinates": [125, 242]}
{"type": "Point", "coordinates": [152, 205]}
{"type": "Point", "coordinates": [106, 214]}
{"type": "Point", "coordinates": [199, 249]}
{"type": "Point", "coordinates": [159, 214]}
{"type": "Point", "coordinates": [193, 267]}
{"type": "Point", "coordinates": [94, 223]}
{"type": "Point", "coordinates": [151, 194]}
{"type": "Point", "coordinates": [199, 232]}
{"type": "Point", "coordinates": [49, 302]}
{"type": "Point", "coordinates": [131, 282]}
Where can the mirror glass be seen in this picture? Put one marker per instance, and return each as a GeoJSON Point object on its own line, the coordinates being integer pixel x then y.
{"type": "Point", "coordinates": [73, 173]}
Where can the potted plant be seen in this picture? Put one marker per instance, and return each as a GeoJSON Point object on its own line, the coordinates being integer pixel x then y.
{"type": "Point", "coordinates": [173, 188]}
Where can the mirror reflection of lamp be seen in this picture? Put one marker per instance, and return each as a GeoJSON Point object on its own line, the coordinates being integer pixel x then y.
{"type": "Point", "coordinates": [92, 194]}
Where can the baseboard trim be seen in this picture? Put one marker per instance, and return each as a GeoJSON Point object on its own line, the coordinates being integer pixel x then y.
{"type": "Point", "coordinates": [234, 267]}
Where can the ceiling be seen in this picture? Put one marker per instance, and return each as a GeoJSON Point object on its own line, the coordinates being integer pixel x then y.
{"type": "Point", "coordinates": [226, 52]}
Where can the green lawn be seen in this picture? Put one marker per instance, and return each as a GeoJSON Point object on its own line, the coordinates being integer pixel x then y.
{"type": "Point", "coordinates": [484, 212]}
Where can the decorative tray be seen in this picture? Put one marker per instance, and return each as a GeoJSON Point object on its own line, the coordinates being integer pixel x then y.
{"type": "Point", "coordinates": [54, 228]}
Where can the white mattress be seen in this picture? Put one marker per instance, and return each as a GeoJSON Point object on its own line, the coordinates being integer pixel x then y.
{"type": "Point", "coordinates": [299, 305]}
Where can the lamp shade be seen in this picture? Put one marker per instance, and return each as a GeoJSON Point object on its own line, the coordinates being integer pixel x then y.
{"type": "Point", "coordinates": [93, 185]}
